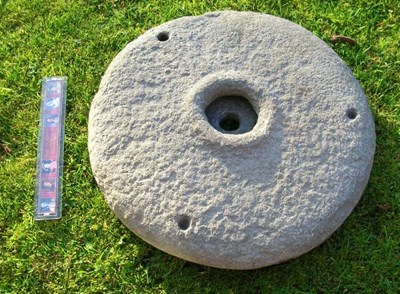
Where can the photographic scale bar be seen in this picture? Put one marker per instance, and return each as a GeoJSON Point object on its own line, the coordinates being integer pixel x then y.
{"type": "Point", "coordinates": [49, 168]}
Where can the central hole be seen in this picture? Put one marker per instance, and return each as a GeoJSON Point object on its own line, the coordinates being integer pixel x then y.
{"type": "Point", "coordinates": [230, 122]}
{"type": "Point", "coordinates": [231, 115]}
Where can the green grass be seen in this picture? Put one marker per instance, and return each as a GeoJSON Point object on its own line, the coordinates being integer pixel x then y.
{"type": "Point", "coordinates": [89, 250]}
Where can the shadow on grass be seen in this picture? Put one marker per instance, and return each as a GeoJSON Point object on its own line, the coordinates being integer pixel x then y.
{"type": "Point", "coordinates": [358, 256]}
{"type": "Point", "coordinates": [3, 3]}
{"type": "Point", "coordinates": [366, 241]}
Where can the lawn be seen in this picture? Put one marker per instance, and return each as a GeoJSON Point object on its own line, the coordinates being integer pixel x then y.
{"type": "Point", "coordinates": [89, 250]}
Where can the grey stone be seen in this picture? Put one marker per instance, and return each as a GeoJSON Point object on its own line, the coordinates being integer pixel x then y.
{"type": "Point", "coordinates": [267, 185]}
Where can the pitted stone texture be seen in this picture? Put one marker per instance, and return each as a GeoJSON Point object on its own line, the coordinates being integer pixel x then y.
{"type": "Point", "coordinates": [228, 200]}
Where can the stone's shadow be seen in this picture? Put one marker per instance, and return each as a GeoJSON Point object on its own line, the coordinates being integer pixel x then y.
{"type": "Point", "coordinates": [385, 172]}
{"type": "Point", "coordinates": [366, 221]}
{"type": "Point", "coordinates": [3, 3]}
{"type": "Point", "coordinates": [350, 248]}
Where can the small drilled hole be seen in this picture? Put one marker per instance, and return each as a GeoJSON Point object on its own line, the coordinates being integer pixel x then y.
{"type": "Point", "coordinates": [184, 222]}
{"type": "Point", "coordinates": [351, 113]}
{"type": "Point", "coordinates": [163, 36]}
{"type": "Point", "coordinates": [230, 122]}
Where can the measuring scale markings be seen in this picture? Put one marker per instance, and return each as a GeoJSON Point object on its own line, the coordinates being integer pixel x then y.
{"type": "Point", "coordinates": [50, 153]}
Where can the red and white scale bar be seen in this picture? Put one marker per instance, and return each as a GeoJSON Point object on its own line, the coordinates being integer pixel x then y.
{"type": "Point", "coordinates": [50, 149]}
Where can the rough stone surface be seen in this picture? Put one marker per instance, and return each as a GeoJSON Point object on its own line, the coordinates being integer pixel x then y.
{"type": "Point", "coordinates": [238, 200]}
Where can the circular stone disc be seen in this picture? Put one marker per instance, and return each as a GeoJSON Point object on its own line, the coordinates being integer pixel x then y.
{"type": "Point", "coordinates": [233, 139]}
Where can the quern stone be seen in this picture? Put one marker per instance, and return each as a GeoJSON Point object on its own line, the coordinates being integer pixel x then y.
{"type": "Point", "coordinates": [232, 139]}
